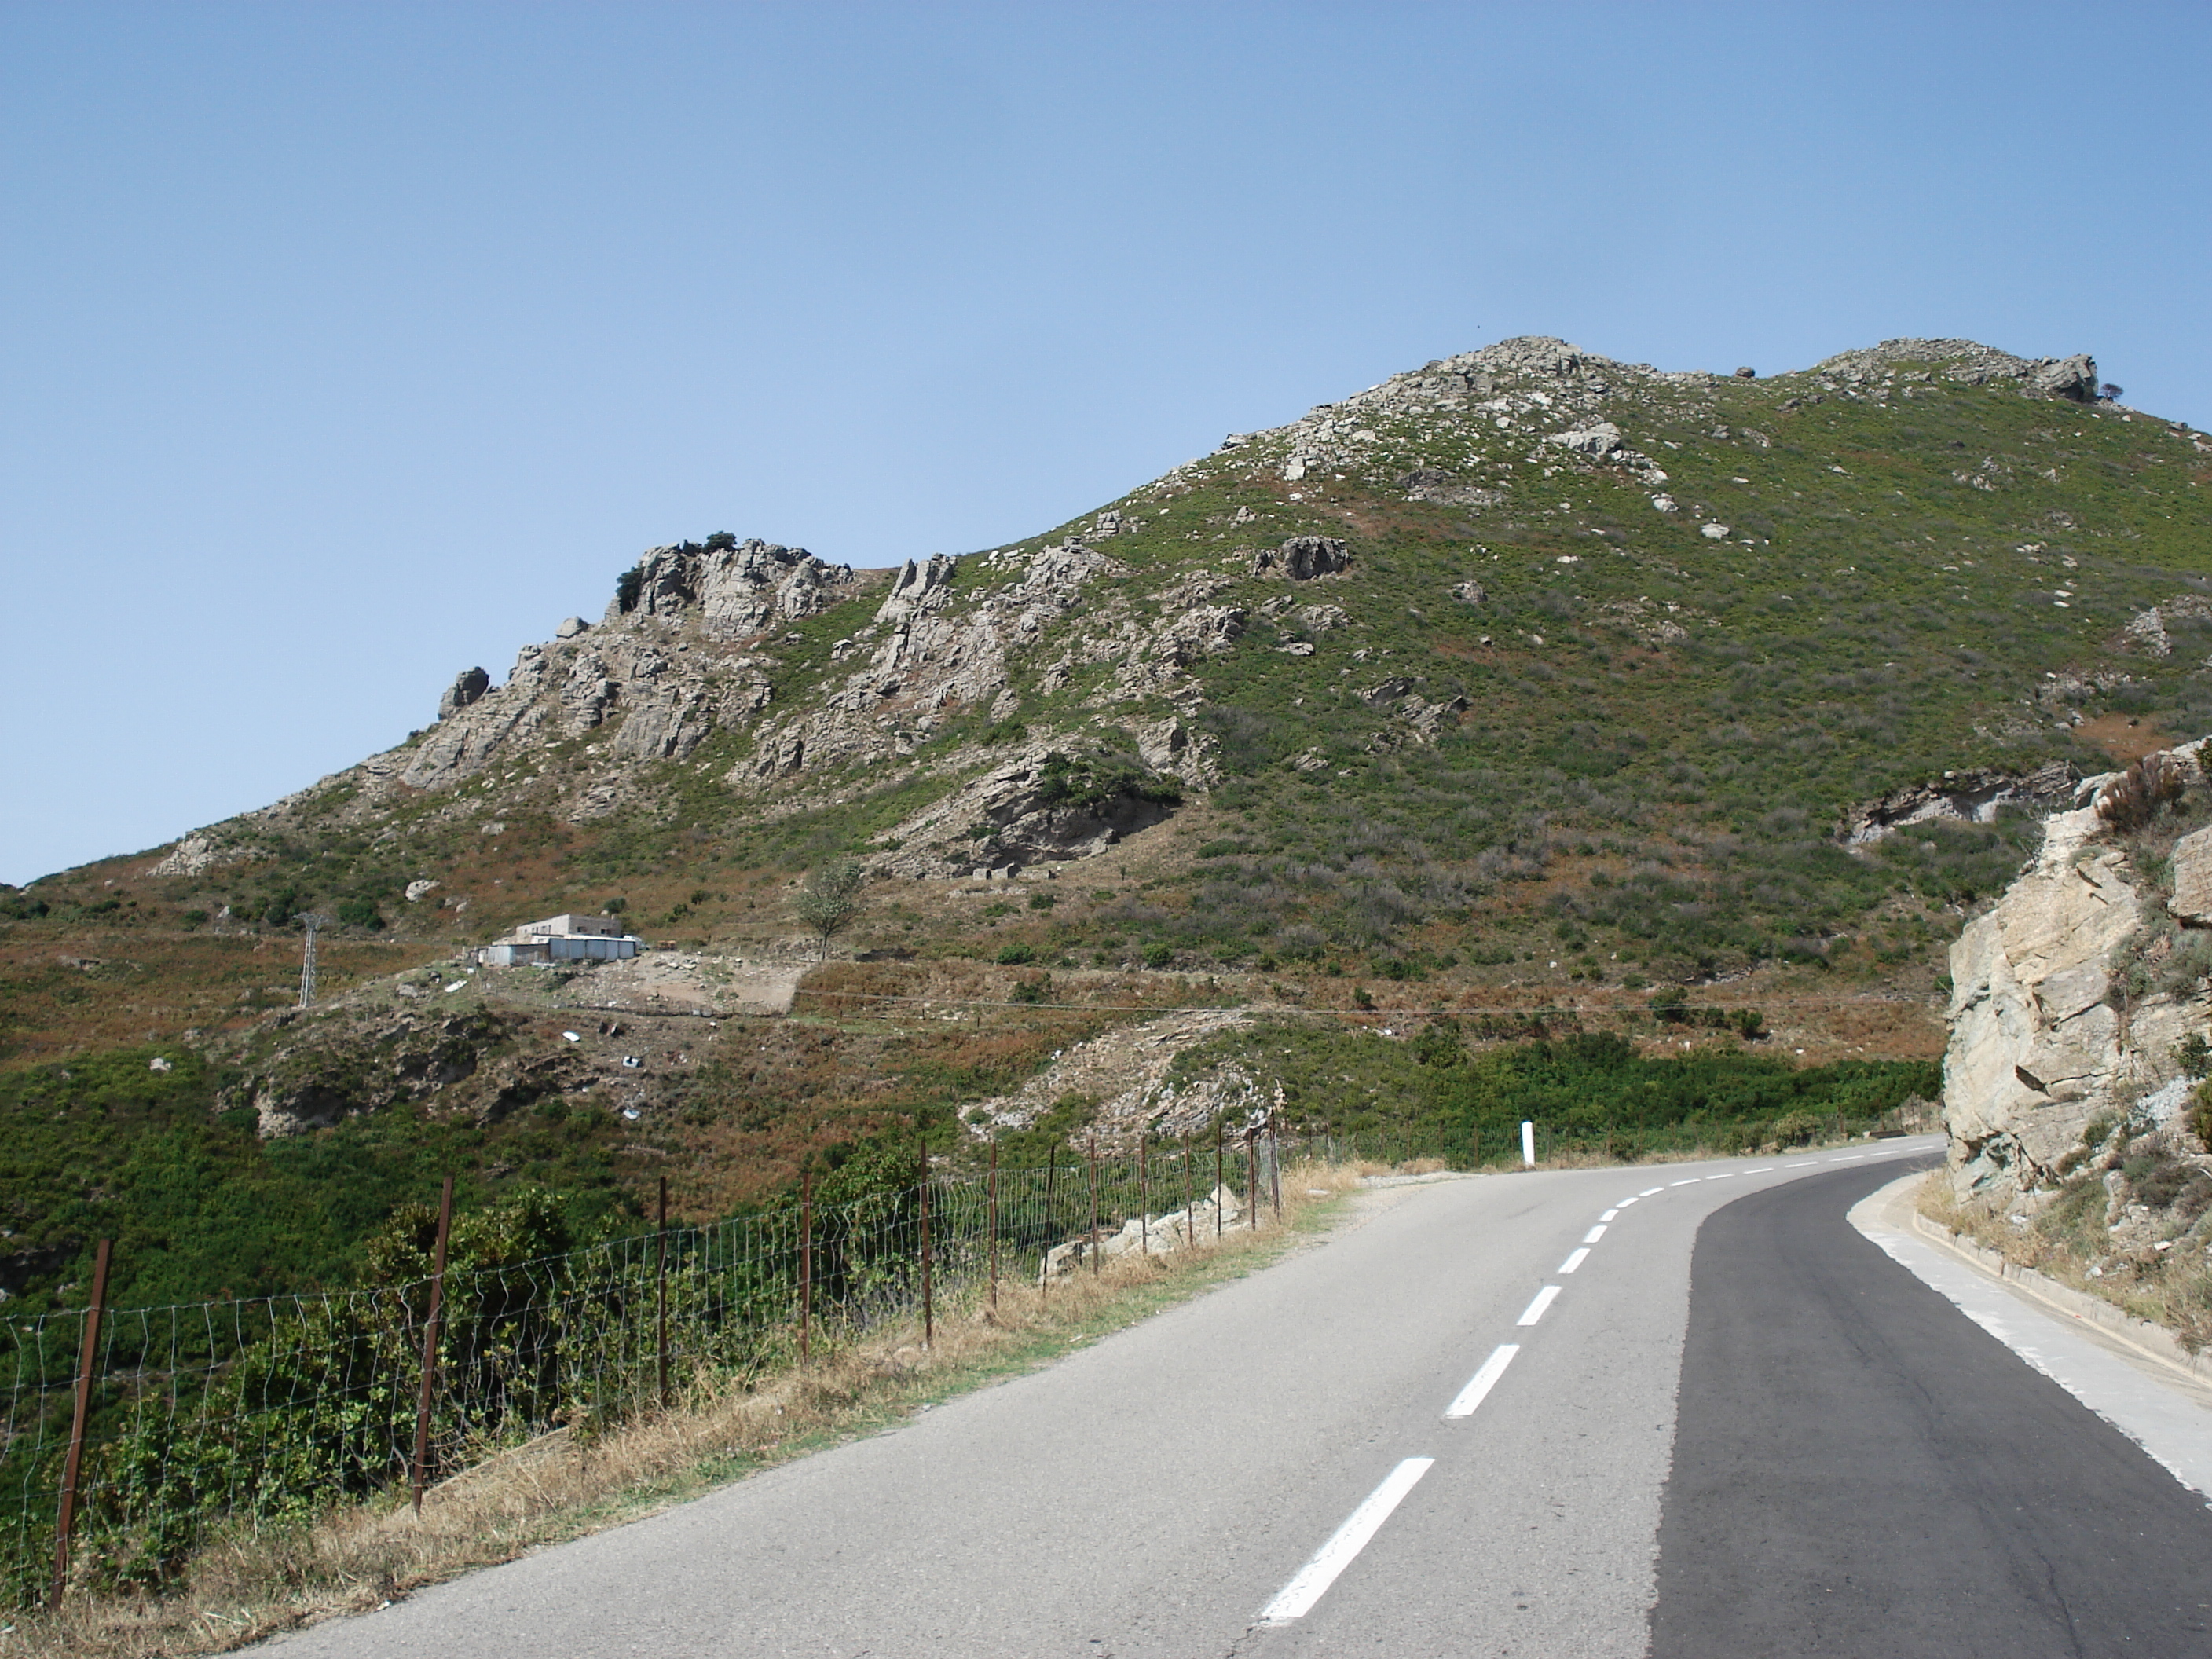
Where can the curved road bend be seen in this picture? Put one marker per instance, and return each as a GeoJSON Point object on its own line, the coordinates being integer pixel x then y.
{"type": "Point", "coordinates": [1447, 1431]}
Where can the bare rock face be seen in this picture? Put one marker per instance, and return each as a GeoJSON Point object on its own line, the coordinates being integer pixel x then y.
{"type": "Point", "coordinates": [2042, 1039]}
{"type": "Point", "coordinates": [2191, 903]}
{"type": "Point", "coordinates": [1972, 796]}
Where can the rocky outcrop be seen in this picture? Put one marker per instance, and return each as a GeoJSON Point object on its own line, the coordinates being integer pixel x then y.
{"type": "Point", "coordinates": [1302, 558]}
{"type": "Point", "coordinates": [736, 590]}
{"type": "Point", "coordinates": [2074, 378]}
{"type": "Point", "coordinates": [1972, 796]}
{"type": "Point", "coordinates": [2053, 1018]}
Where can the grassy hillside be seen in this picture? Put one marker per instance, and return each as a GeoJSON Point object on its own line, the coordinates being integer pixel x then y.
{"type": "Point", "coordinates": [1566, 734]}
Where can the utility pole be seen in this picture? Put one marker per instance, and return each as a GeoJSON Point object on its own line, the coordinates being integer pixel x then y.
{"type": "Point", "coordinates": [312, 919]}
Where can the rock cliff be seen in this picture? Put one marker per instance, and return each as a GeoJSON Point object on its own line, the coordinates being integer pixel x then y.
{"type": "Point", "coordinates": [2071, 996]}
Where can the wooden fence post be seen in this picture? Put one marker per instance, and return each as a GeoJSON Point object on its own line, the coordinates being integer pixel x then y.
{"type": "Point", "coordinates": [928, 1312]}
{"type": "Point", "coordinates": [660, 1290]}
{"type": "Point", "coordinates": [805, 1262]}
{"type": "Point", "coordinates": [65, 1523]}
{"type": "Point", "coordinates": [430, 1342]}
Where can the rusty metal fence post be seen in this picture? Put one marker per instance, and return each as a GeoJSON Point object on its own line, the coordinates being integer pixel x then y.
{"type": "Point", "coordinates": [928, 1313]}
{"type": "Point", "coordinates": [805, 1262]}
{"type": "Point", "coordinates": [65, 1521]}
{"type": "Point", "coordinates": [660, 1291]}
{"type": "Point", "coordinates": [430, 1341]}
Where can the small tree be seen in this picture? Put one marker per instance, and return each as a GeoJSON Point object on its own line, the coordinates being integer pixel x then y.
{"type": "Point", "coordinates": [829, 898]}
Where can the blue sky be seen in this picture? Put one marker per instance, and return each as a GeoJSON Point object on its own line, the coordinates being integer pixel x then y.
{"type": "Point", "coordinates": [342, 347]}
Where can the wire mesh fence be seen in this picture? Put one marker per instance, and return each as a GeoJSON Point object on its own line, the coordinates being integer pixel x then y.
{"type": "Point", "coordinates": [275, 1408]}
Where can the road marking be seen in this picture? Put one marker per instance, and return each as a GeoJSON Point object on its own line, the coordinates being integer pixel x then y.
{"type": "Point", "coordinates": [1691, 1182]}
{"type": "Point", "coordinates": [1535, 1310]}
{"type": "Point", "coordinates": [1595, 1234]}
{"type": "Point", "coordinates": [1806, 1164]}
{"type": "Point", "coordinates": [1764, 1169]}
{"type": "Point", "coordinates": [1722, 1176]}
{"type": "Point", "coordinates": [1848, 1157]}
{"type": "Point", "coordinates": [1574, 1260]}
{"type": "Point", "coordinates": [1625, 1202]}
{"type": "Point", "coordinates": [1609, 1214]}
{"type": "Point", "coordinates": [1296, 1599]}
{"type": "Point", "coordinates": [1479, 1387]}
{"type": "Point", "coordinates": [1647, 1191]}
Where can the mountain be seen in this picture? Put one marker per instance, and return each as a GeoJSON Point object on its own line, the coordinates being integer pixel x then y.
{"type": "Point", "coordinates": [1525, 680]}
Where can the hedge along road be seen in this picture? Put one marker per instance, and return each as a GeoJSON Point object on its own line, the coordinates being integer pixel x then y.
{"type": "Point", "coordinates": [1446, 1430]}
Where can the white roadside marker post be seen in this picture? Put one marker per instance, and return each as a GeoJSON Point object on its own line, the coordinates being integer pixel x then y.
{"type": "Point", "coordinates": [1528, 1143]}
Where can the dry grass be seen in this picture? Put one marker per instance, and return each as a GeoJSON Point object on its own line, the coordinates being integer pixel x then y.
{"type": "Point", "coordinates": [2065, 1239]}
{"type": "Point", "coordinates": [250, 1584]}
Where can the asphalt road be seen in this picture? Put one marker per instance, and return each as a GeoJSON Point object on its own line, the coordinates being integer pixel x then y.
{"type": "Point", "coordinates": [1860, 1471]}
{"type": "Point", "coordinates": [1339, 1456]}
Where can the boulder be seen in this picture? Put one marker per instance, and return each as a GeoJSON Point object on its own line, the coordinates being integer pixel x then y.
{"type": "Point", "coordinates": [1596, 441]}
{"type": "Point", "coordinates": [570, 627]}
{"type": "Point", "coordinates": [1470, 592]}
{"type": "Point", "coordinates": [468, 687]}
{"type": "Point", "coordinates": [1713, 532]}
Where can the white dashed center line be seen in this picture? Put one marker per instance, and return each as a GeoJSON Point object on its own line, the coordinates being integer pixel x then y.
{"type": "Point", "coordinates": [1597, 1232]}
{"type": "Point", "coordinates": [1296, 1599]}
{"type": "Point", "coordinates": [1609, 1214]}
{"type": "Point", "coordinates": [1691, 1182]}
{"type": "Point", "coordinates": [1806, 1164]}
{"type": "Point", "coordinates": [1647, 1191]}
{"type": "Point", "coordinates": [1535, 1310]}
{"type": "Point", "coordinates": [1722, 1176]}
{"type": "Point", "coordinates": [1576, 1259]}
{"type": "Point", "coordinates": [1477, 1388]}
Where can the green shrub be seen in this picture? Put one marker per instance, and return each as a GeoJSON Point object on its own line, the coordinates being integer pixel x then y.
{"type": "Point", "coordinates": [1015, 955]}
{"type": "Point", "coordinates": [1159, 955]}
{"type": "Point", "coordinates": [360, 913]}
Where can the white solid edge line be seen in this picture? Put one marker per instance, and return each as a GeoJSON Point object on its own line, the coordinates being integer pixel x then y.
{"type": "Point", "coordinates": [1479, 1387]}
{"type": "Point", "coordinates": [1541, 1300]}
{"type": "Point", "coordinates": [1574, 1260]}
{"type": "Point", "coordinates": [1609, 1216]}
{"type": "Point", "coordinates": [1296, 1599]}
{"type": "Point", "coordinates": [1595, 1234]}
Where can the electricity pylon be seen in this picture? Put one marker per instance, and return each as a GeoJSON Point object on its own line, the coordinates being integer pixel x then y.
{"type": "Point", "coordinates": [313, 919]}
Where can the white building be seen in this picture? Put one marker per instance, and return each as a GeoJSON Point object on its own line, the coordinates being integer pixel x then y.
{"type": "Point", "coordinates": [562, 938]}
